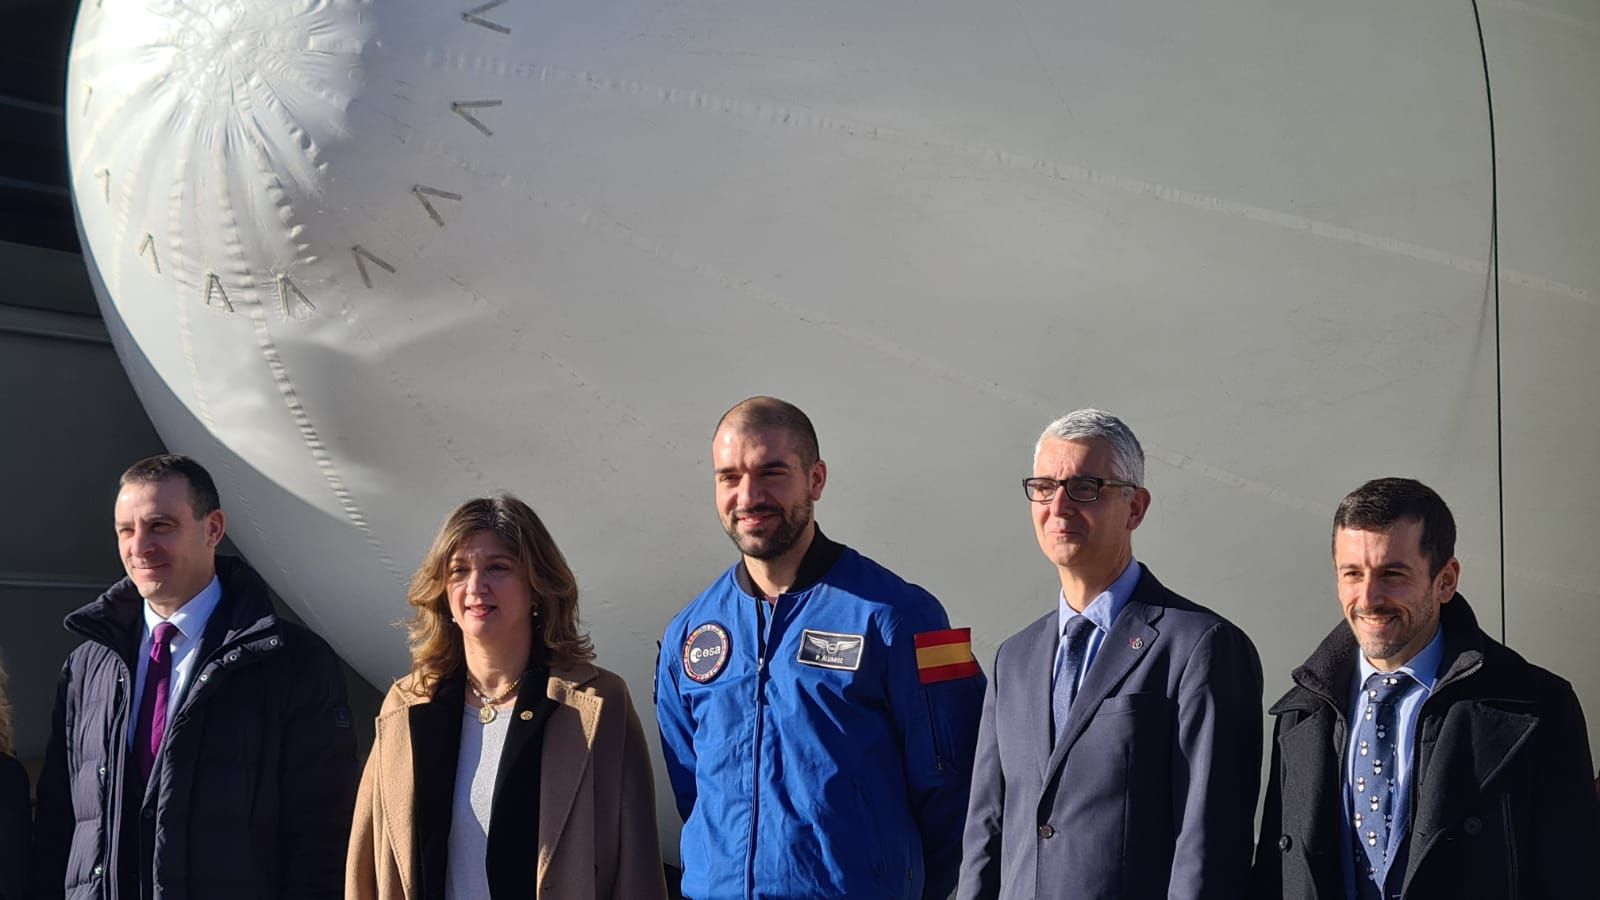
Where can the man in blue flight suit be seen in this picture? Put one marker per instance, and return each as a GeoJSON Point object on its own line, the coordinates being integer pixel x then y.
{"type": "Point", "coordinates": [818, 714]}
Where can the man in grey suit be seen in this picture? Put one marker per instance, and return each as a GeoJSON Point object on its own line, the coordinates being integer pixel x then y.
{"type": "Point", "coordinates": [1120, 748]}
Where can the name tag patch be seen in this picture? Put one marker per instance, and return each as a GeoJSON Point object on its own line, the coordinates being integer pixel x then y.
{"type": "Point", "coordinates": [831, 651]}
{"type": "Point", "coordinates": [706, 652]}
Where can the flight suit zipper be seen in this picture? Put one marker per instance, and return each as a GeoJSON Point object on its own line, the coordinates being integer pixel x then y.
{"type": "Point", "coordinates": [763, 622]}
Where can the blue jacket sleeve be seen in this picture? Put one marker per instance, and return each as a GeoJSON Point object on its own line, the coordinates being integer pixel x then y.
{"type": "Point", "coordinates": [938, 725]}
{"type": "Point", "coordinates": [676, 727]}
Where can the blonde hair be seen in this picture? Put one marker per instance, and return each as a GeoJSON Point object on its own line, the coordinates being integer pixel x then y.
{"type": "Point", "coordinates": [5, 713]}
{"type": "Point", "coordinates": [435, 641]}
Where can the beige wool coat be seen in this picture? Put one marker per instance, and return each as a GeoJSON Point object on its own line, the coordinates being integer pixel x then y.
{"type": "Point", "coordinates": [597, 812]}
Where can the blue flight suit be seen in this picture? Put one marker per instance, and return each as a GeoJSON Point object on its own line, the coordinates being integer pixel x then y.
{"type": "Point", "coordinates": [807, 755]}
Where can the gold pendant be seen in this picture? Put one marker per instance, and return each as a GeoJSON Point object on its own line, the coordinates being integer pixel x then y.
{"type": "Point", "coordinates": [486, 714]}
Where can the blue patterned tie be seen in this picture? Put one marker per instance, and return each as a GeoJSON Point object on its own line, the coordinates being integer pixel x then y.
{"type": "Point", "coordinates": [1372, 785]}
{"type": "Point", "coordinates": [1074, 648]}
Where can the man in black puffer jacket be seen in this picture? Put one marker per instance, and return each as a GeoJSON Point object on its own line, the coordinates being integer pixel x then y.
{"type": "Point", "coordinates": [235, 778]}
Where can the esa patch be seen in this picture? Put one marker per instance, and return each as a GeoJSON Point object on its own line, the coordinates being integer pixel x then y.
{"type": "Point", "coordinates": [706, 652]}
{"type": "Point", "coordinates": [831, 651]}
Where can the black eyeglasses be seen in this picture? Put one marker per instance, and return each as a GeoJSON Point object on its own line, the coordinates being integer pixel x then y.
{"type": "Point", "coordinates": [1082, 488]}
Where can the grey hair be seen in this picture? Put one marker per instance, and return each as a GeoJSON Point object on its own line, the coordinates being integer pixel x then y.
{"type": "Point", "coordinates": [1127, 457]}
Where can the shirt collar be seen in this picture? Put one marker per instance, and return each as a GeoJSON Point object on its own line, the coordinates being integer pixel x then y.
{"type": "Point", "coordinates": [1423, 668]}
{"type": "Point", "coordinates": [191, 618]}
{"type": "Point", "coordinates": [1107, 605]}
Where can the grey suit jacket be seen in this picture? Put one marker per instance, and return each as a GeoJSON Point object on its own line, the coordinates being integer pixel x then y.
{"type": "Point", "coordinates": [1151, 792]}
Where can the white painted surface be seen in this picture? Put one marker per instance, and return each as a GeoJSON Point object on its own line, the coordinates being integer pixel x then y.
{"type": "Point", "coordinates": [1259, 232]}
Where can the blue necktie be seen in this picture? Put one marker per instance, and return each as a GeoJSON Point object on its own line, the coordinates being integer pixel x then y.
{"type": "Point", "coordinates": [1372, 787]}
{"type": "Point", "coordinates": [1074, 649]}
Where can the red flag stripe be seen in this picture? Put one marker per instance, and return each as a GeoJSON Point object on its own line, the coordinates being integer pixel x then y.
{"type": "Point", "coordinates": [936, 674]}
{"type": "Point", "coordinates": [947, 636]}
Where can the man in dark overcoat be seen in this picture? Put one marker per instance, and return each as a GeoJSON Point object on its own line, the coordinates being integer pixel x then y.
{"type": "Point", "coordinates": [1416, 757]}
{"type": "Point", "coordinates": [201, 747]}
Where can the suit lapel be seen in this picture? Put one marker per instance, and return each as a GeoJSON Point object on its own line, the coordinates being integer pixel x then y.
{"type": "Point", "coordinates": [514, 817]}
{"type": "Point", "coordinates": [1040, 655]}
{"type": "Point", "coordinates": [520, 735]}
{"type": "Point", "coordinates": [435, 738]}
{"type": "Point", "coordinates": [1132, 635]}
{"type": "Point", "coordinates": [568, 744]}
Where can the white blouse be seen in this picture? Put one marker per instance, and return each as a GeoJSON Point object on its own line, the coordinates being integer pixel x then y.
{"type": "Point", "coordinates": [466, 862]}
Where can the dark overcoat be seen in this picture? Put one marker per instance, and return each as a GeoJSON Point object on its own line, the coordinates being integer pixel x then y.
{"type": "Point", "coordinates": [254, 786]}
{"type": "Point", "coordinates": [1501, 805]}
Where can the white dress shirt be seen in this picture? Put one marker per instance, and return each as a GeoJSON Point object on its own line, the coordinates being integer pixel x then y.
{"type": "Point", "coordinates": [190, 620]}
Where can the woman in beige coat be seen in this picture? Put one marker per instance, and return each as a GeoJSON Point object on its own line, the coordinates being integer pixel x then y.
{"type": "Point", "coordinates": [506, 764]}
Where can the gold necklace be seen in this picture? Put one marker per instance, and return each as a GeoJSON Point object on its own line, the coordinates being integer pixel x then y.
{"type": "Point", "coordinates": [487, 713]}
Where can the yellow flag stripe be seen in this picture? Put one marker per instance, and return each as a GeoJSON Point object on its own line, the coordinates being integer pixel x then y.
{"type": "Point", "coordinates": [944, 655]}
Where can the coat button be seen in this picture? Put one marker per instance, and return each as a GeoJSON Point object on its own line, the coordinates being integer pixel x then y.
{"type": "Point", "coordinates": [102, 771]}
{"type": "Point", "coordinates": [1473, 826]}
{"type": "Point", "coordinates": [1045, 831]}
{"type": "Point", "coordinates": [1285, 842]}
{"type": "Point", "coordinates": [148, 814]}
{"type": "Point", "coordinates": [99, 870]}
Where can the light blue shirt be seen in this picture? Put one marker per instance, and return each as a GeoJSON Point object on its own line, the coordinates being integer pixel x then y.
{"type": "Point", "coordinates": [1102, 611]}
{"type": "Point", "coordinates": [190, 620]}
{"type": "Point", "coordinates": [1424, 671]}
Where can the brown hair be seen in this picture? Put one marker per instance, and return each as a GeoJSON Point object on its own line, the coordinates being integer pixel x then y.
{"type": "Point", "coordinates": [203, 494]}
{"type": "Point", "coordinates": [5, 714]}
{"type": "Point", "coordinates": [1382, 503]}
{"type": "Point", "coordinates": [435, 641]}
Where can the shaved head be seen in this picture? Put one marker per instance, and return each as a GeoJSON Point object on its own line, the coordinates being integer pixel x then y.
{"type": "Point", "coordinates": [762, 413]}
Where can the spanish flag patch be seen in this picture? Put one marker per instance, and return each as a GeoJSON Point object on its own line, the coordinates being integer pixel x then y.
{"type": "Point", "coordinates": [945, 655]}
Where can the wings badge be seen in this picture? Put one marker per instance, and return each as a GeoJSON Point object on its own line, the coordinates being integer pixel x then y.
{"type": "Point", "coordinates": [831, 651]}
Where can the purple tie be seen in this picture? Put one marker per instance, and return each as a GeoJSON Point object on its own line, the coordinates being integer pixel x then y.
{"type": "Point", "coordinates": [153, 705]}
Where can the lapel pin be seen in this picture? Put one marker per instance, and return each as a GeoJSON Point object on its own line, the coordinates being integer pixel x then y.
{"type": "Point", "coordinates": [1136, 643]}
{"type": "Point", "coordinates": [527, 715]}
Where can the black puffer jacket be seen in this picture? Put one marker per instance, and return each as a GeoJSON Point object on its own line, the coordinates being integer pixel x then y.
{"type": "Point", "coordinates": [253, 792]}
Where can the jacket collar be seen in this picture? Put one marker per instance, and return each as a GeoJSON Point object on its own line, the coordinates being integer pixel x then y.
{"type": "Point", "coordinates": [568, 746]}
{"type": "Point", "coordinates": [116, 618]}
{"type": "Point", "coordinates": [819, 558]}
{"type": "Point", "coordinates": [570, 678]}
{"type": "Point", "coordinates": [414, 726]}
{"type": "Point", "coordinates": [1327, 672]}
